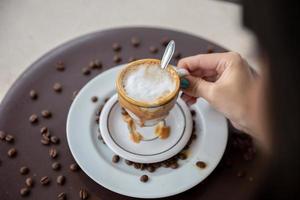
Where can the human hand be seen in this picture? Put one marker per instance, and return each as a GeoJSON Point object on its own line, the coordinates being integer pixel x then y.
{"type": "Point", "coordinates": [224, 80]}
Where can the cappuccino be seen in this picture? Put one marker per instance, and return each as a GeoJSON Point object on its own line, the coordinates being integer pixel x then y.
{"type": "Point", "coordinates": [147, 82]}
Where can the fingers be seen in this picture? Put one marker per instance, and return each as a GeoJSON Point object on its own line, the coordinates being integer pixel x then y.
{"type": "Point", "coordinates": [198, 87]}
{"type": "Point", "coordinates": [188, 99]}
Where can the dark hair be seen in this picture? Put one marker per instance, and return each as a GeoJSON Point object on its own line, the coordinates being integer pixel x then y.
{"type": "Point", "coordinates": [275, 23]}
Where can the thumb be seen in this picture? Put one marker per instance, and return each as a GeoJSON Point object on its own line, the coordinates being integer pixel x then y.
{"type": "Point", "coordinates": [198, 87]}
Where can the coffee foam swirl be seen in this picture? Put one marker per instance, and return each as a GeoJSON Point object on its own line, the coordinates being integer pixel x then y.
{"type": "Point", "coordinates": [148, 83]}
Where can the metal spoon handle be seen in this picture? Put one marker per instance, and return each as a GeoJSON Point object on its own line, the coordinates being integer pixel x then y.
{"type": "Point", "coordinates": [167, 54]}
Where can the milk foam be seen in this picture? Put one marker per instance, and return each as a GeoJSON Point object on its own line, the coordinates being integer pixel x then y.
{"type": "Point", "coordinates": [148, 83]}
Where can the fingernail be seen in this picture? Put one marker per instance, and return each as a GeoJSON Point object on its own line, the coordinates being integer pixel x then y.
{"type": "Point", "coordinates": [184, 83]}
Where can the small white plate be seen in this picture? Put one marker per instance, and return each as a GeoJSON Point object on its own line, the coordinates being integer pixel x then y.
{"type": "Point", "coordinates": [94, 157]}
{"type": "Point", "coordinates": [151, 149]}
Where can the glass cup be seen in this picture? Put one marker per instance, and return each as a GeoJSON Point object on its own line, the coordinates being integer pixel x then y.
{"type": "Point", "coordinates": [149, 113]}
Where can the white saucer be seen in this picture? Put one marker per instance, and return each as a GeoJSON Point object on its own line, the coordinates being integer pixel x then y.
{"type": "Point", "coordinates": [151, 149]}
{"type": "Point", "coordinates": [94, 157]}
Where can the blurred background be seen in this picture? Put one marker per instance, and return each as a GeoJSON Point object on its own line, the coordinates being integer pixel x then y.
{"type": "Point", "coordinates": [30, 28]}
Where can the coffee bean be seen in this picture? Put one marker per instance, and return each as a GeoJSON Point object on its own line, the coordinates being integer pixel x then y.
{"type": "Point", "coordinates": [54, 140]}
{"type": "Point", "coordinates": [45, 180]}
{"type": "Point", "coordinates": [241, 173]}
{"type": "Point", "coordinates": [150, 168]}
{"type": "Point", "coordinates": [131, 59]}
{"type": "Point", "coordinates": [24, 170]}
{"type": "Point", "coordinates": [182, 156]}
{"type": "Point", "coordinates": [62, 196]}
{"type": "Point", "coordinates": [137, 165]}
{"type": "Point", "coordinates": [210, 49]}
{"type": "Point", "coordinates": [97, 119]}
{"type": "Point", "coordinates": [95, 64]}
{"type": "Point", "coordinates": [85, 71]}
{"type": "Point", "coordinates": [24, 191]}
{"type": "Point", "coordinates": [2, 135]}
{"type": "Point", "coordinates": [165, 41]}
{"type": "Point", "coordinates": [33, 118]}
{"type": "Point", "coordinates": [46, 113]}
{"type": "Point", "coordinates": [201, 164]}
{"type": "Point", "coordinates": [9, 138]}
{"type": "Point", "coordinates": [135, 41]}
{"type": "Point", "coordinates": [106, 99]}
{"type": "Point", "coordinates": [44, 129]}
{"type": "Point", "coordinates": [53, 153]}
{"type": "Point", "coordinates": [33, 94]}
{"type": "Point", "coordinates": [156, 165]}
{"type": "Point", "coordinates": [144, 178]}
{"type": "Point", "coordinates": [143, 166]}
{"type": "Point", "coordinates": [83, 194]}
{"type": "Point", "coordinates": [94, 99]}
{"type": "Point", "coordinates": [153, 49]}
{"type": "Point", "coordinates": [193, 112]}
{"type": "Point", "coordinates": [60, 180]}
{"type": "Point", "coordinates": [12, 152]}
{"type": "Point", "coordinates": [193, 136]}
{"type": "Point", "coordinates": [128, 162]}
{"type": "Point", "coordinates": [174, 165]}
{"type": "Point", "coordinates": [115, 159]}
{"type": "Point", "coordinates": [57, 87]}
{"type": "Point", "coordinates": [45, 140]}
{"type": "Point", "coordinates": [74, 167]}
{"type": "Point", "coordinates": [56, 166]}
{"type": "Point", "coordinates": [116, 47]}
{"type": "Point", "coordinates": [117, 58]}
{"type": "Point", "coordinates": [177, 55]}
{"type": "Point", "coordinates": [99, 111]}
{"type": "Point", "coordinates": [29, 182]}
{"type": "Point", "coordinates": [60, 66]}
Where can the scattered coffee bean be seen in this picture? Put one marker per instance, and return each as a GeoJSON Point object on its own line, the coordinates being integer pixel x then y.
{"type": "Point", "coordinates": [201, 164]}
{"type": "Point", "coordinates": [62, 196]}
{"type": "Point", "coordinates": [143, 166]}
{"type": "Point", "coordinates": [95, 64]}
{"type": "Point", "coordinates": [106, 99]}
{"type": "Point", "coordinates": [60, 66]}
{"type": "Point", "coordinates": [45, 140]}
{"type": "Point", "coordinates": [116, 47]}
{"type": "Point", "coordinates": [44, 129]}
{"type": "Point", "coordinates": [193, 112]}
{"type": "Point", "coordinates": [115, 158]}
{"type": "Point", "coordinates": [85, 71]}
{"type": "Point", "coordinates": [137, 165]}
{"type": "Point", "coordinates": [83, 194]}
{"type": "Point", "coordinates": [153, 49]}
{"type": "Point", "coordinates": [2, 135]}
{"type": "Point", "coordinates": [33, 94]}
{"type": "Point", "coordinates": [45, 180]}
{"type": "Point", "coordinates": [33, 118]}
{"type": "Point", "coordinates": [53, 153]}
{"type": "Point", "coordinates": [117, 58]}
{"type": "Point", "coordinates": [165, 41]}
{"type": "Point", "coordinates": [56, 166]}
{"type": "Point", "coordinates": [174, 165]}
{"type": "Point", "coordinates": [156, 165]}
{"type": "Point", "coordinates": [94, 99]}
{"type": "Point", "coordinates": [182, 156]}
{"type": "Point", "coordinates": [9, 138]}
{"type": "Point", "coordinates": [46, 113]}
{"type": "Point", "coordinates": [131, 59]}
{"type": "Point", "coordinates": [97, 119]}
{"type": "Point", "coordinates": [74, 167]}
{"type": "Point", "coordinates": [12, 152]}
{"type": "Point", "coordinates": [99, 111]}
{"type": "Point", "coordinates": [24, 191]}
{"type": "Point", "coordinates": [128, 162]}
{"type": "Point", "coordinates": [241, 174]}
{"type": "Point", "coordinates": [57, 87]}
{"type": "Point", "coordinates": [193, 136]}
{"type": "Point", "coordinates": [24, 170]}
{"type": "Point", "coordinates": [144, 178]}
{"type": "Point", "coordinates": [54, 140]}
{"type": "Point", "coordinates": [135, 41]}
{"type": "Point", "coordinates": [60, 180]}
{"type": "Point", "coordinates": [29, 182]}
{"type": "Point", "coordinates": [210, 49]}
{"type": "Point", "coordinates": [150, 168]}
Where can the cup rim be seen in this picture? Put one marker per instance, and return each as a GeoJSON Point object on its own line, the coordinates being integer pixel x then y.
{"type": "Point", "coordinates": [163, 101]}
